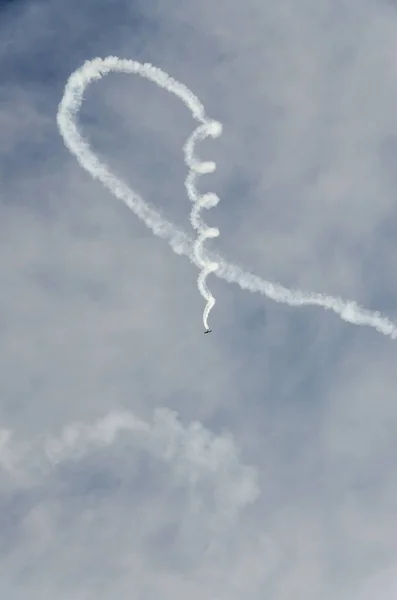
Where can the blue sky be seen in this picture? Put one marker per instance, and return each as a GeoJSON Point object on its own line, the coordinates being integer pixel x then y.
{"type": "Point", "coordinates": [138, 457]}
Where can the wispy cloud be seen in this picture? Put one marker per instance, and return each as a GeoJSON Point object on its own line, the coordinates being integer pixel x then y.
{"type": "Point", "coordinates": [102, 493]}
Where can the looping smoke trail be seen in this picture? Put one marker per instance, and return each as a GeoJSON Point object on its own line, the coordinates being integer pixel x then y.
{"type": "Point", "coordinates": [67, 113]}
{"type": "Point", "coordinates": [209, 200]}
{"type": "Point", "coordinates": [213, 129]}
{"type": "Point", "coordinates": [179, 241]}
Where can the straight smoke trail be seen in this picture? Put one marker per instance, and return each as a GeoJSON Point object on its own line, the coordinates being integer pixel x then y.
{"type": "Point", "coordinates": [179, 241]}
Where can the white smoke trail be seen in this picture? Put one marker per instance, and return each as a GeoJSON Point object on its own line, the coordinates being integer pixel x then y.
{"type": "Point", "coordinates": [199, 202]}
{"type": "Point", "coordinates": [67, 113]}
{"type": "Point", "coordinates": [181, 243]}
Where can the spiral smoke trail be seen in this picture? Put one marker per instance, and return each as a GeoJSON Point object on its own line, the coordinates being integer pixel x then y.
{"type": "Point", "coordinates": [209, 200]}
{"type": "Point", "coordinates": [179, 241]}
{"type": "Point", "coordinates": [67, 113]}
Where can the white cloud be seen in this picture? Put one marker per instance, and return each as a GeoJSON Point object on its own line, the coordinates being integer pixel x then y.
{"type": "Point", "coordinates": [92, 474]}
{"type": "Point", "coordinates": [127, 499]}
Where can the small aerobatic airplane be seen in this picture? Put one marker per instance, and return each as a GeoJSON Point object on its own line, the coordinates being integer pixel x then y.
{"type": "Point", "coordinates": [208, 331]}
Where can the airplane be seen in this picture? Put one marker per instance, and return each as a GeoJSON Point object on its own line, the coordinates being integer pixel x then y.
{"type": "Point", "coordinates": [208, 331]}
